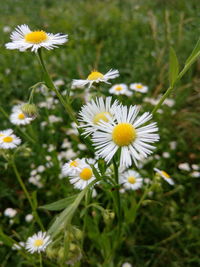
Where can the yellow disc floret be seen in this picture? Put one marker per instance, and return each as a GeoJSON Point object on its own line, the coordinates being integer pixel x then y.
{"type": "Point", "coordinates": [95, 75]}
{"type": "Point", "coordinates": [74, 163]}
{"type": "Point", "coordinates": [131, 179]}
{"type": "Point", "coordinates": [36, 37]}
{"type": "Point", "coordinates": [38, 242]}
{"type": "Point", "coordinates": [21, 116]}
{"type": "Point", "coordinates": [166, 175]}
{"type": "Point", "coordinates": [8, 139]}
{"type": "Point", "coordinates": [139, 86]}
{"type": "Point", "coordinates": [101, 116]}
{"type": "Point", "coordinates": [86, 174]}
{"type": "Point", "coordinates": [123, 134]}
{"type": "Point", "coordinates": [118, 88]}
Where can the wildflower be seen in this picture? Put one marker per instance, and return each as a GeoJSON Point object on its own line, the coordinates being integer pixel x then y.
{"type": "Point", "coordinates": [126, 264]}
{"type": "Point", "coordinates": [28, 217]}
{"type": "Point", "coordinates": [131, 180]}
{"type": "Point", "coordinates": [195, 174]}
{"type": "Point", "coordinates": [23, 38]}
{"type": "Point", "coordinates": [72, 166]}
{"type": "Point", "coordinates": [138, 87]}
{"type": "Point", "coordinates": [29, 110]}
{"type": "Point", "coordinates": [38, 242]}
{"type": "Point", "coordinates": [125, 133]}
{"type": "Point", "coordinates": [96, 111]}
{"type": "Point", "coordinates": [18, 247]}
{"type": "Point", "coordinates": [165, 176]}
{"type": "Point", "coordinates": [10, 212]}
{"type": "Point", "coordinates": [8, 140]}
{"type": "Point", "coordinates": [41, 168]}
{"type": "Point", "coordinates": [18, 117]}
{"type": "Point", "coordinates": [184, 166]}
{"type": "Point", "coordinates": [82, 177]}
{"type": "Point", "coordinates": [166, 155]}
{"type": "Point", "coordinates": [120, 89]}
{"type": "Point", "coordinates": [95, 77]}
{"type": "Point", "coordinates": [195, 167]}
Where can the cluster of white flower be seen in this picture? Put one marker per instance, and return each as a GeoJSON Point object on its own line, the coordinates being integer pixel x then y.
{"type": "Point", "coordinates": [123, 89]}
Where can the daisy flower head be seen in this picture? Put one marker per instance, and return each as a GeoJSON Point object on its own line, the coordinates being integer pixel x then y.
{"type": "Point", "coordinates": [82, 177]}
{"type": "Point", "coordinates": [38, 242]}
{"type": "Point", "coordinates": [8, 140]}
{"type": "Point", "coordinates": [165, 176]}
{"type": "Point", "coordinates": [95, 77]}
{"type": "Point", "coordinates": [138, 87]}
{"type": "Point", "coordinates": [131, 180]}
{"type": "Point", "coordinates": [23, 38]}
{"type": "Point", "coordinates": [96, 111]}
{"type": "Point", "coordinates": [127, 134]}
{"type": "Point", "coordinates": [18, 117]}
{"type": "Point", "coordinates": [120, 89]}
{"type": "Point", "coordinates": [72, 167]}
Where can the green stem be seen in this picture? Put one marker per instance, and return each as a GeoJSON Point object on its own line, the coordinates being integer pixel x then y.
{"type": "Point", "coordinates": [26, 194]}
{"type": "Point", "coordinates": [40, 258]}
{"type": "Point", "coordinates": [117, 191]}
{"type": "Point", "coordinates": [50, 85]}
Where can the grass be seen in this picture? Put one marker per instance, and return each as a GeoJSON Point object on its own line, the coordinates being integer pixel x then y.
{"type": "Point", "coordinates": [134, 37]}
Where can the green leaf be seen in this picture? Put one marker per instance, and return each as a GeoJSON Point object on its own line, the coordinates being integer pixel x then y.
{"type": "Point", "coordinates": [6, 239]}
{"type": "Point", "coordinates": [195, 53]}
{"type": "Point", "coordinates": [60, 204]}
{"type": "Point", "coordinates": [173, 66]}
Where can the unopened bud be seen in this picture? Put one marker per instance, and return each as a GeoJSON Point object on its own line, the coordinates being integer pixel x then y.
{"type": "Point", "coordinates": [30, 110]}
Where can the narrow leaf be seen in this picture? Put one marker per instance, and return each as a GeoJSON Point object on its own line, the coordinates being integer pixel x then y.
{"type": "Point", "coordinates": [60, 204]}
{"type": "Point", "coordinates": [173, 66]}
{"type": "Point", "coordinates": [194, 54]}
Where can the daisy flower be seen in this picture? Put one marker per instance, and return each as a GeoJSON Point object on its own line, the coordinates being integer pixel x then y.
{"type": "Point", "coordinates": [127, 134]}
{"type": "Point", "coordinates": [120, 89]}
{"type": "Point", "coordinates": [96, 111]}
{"type": "Point", "coordinates": [72, 167]}
{"type": "Point", "coordinates": [165, 176]}
{"type": "Point", "coordinates": [38, 242]}
{"type": "Point", "coordinates": [131, 180]}
{"type": "Point", "coordinates": [18, 117]}
{"type": "Point", "coordinates": [82, 177]}
{"type": "Point", "coordinates": [23, 38]}
{"type": "Point", "coordinates": [138, 87]}
{"type": "Point", "coordinates": [8, 140]}
{"type": "Point", "coordinates": [95, 77]}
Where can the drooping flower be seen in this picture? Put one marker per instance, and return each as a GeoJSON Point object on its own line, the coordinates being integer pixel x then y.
{"type": "Point", "coordinates": [165, 176]}
{"type": "Point", "coordinates": [131, 180]}
{"type": "Point", "coordinates": [120, 89]}
{"type": "Point", "coordinates": [18, 117]}
{"type": "Point", "coordinates": [125, 132]}
{"type": "Point", "coordinates": [138, 87]}
{"type": "Point", "coordinates": [95, 77]}
{"type": "Point", "coordinates": [38, 242]}
{"type": "Point", "coordinates": [96, 111]}
{"type": "Point", "coordinates": [23, 38]}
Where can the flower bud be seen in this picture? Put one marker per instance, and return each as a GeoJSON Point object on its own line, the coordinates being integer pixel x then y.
{"type": "Point", "coordinates": [30, 110]}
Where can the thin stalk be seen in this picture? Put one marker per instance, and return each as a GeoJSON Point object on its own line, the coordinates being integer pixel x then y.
{"type": "Point", "coordinates": [117, 191]}
{"type": "Point", "coordinates": [50, 85]}
{"type": "Point", "coordinates": [26, 194]}
{"type": "Point", "coordinates": [40, 258]}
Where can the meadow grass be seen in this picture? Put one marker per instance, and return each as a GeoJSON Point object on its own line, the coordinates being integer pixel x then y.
{"type": "Point", "coordinates": [133, 37]}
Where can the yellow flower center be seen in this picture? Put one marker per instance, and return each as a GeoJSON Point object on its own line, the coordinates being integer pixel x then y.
{"type": "Point", "coordinates": [74, 163]}
{"type": "Point", "coordinates": [139, 86]}
{"type": "Point", "coordinates": [131, 179]}
{"type": "Point", "coordinates": [36, 37]}
{"type": "Point", "coordinates": [95, 75]}
{"type": "Point", "coordinates": [101, 116]}
{"type": "Point", "coordinates": [21, 116]}
{"type": "Point", "coordinates": [165, 174]}
{"type": "Point", "coordinates": [8, 139]}
{"type": "Point", "coordinates": [86, 174]}
{"type": "Point", "coordinates": [38, 242]}
{"type": "Point", "coordinates": [118, 88]}
{"type": "Point", "coordinates": [123, 134]}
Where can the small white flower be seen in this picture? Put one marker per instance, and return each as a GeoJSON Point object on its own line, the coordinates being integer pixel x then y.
{"type": "Point", "coordinates": [10, 212]}
{"type": "Point", "coordinates": [184, 166]}
{"type": "Point", "coordinates": [18, 117]}
{"type": "Point", "coordinates": [126, 264]}
{"type": "Point", "coordinates": [82, 147]}
{"type": "Point", "coordinates": [38, 242]}
{"type": "Point", "coordinates": [23, 38]}
{"type": "Point", "coordinates": [95, 77]}
{"type": "Point", "coordinates": [195, 174]}
{"type": "Point", "coordinates": [126, 133]}
{"type": "Point", "coordinates": [138, 87]}
{"type": "Point", "coordinates": [82, 177]}
{"type": "Point", "coordinates": [173, 145]}
{"type": "Point", "coordinates": [120, 89]}
{"type": "Point", "coordinates": [165, 176]}
{"type": "Point", "coordinates": [195, 167]}
{"type": "Point", "coordinates": [18, 247]}
{"type": "Point", "coordinates": [72, 166]}
{"type": "Point", "coordinates": [166, 155]}
{"type": "Point", "coordinates": [96, 111]}
{"type": "Point", "coordinates": [41, 168]}
{"type": "Point", "coordinates": [8, 140]}
{"type": "Point", "coordinates": [28, 217]}
{"type": "Point", "coordinates": [131, 180]}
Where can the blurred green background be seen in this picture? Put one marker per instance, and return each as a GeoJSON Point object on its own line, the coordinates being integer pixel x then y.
{"type": "Point", "coordinates": [133, 37]}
